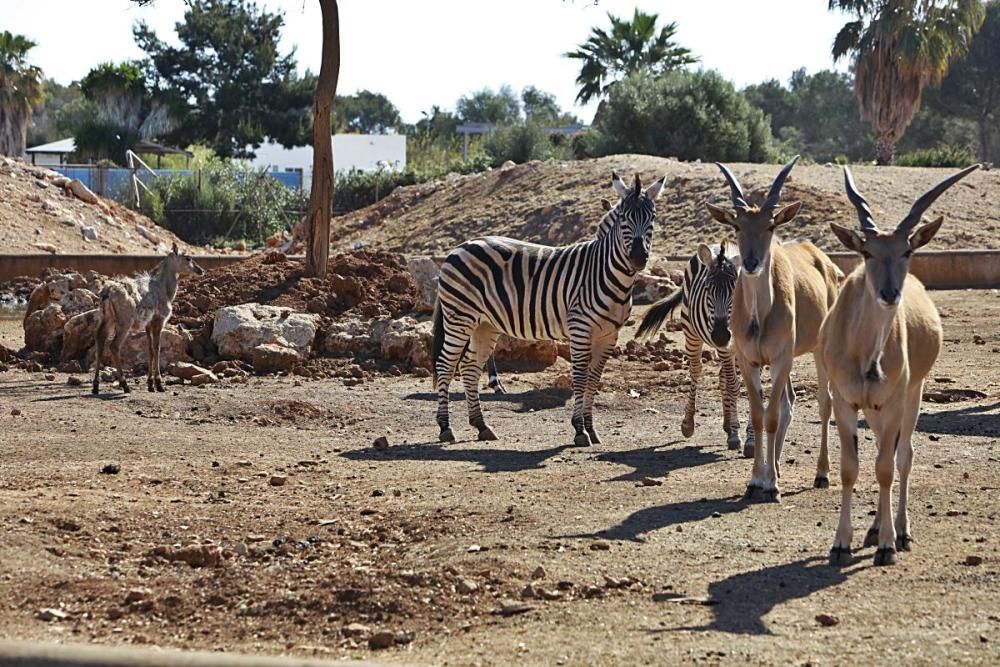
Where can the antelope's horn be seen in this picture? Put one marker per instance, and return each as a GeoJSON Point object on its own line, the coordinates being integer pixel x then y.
{"type": "Point", "coordinates": [926, 199]}
{"type": "Point", "coordinates": [860, 203]}
{"type": "Point", "coordinates": [775, 194]}
{"type": "Point", "coordinates": [739, 200]}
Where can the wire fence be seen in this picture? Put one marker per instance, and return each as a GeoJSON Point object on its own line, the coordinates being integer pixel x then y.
{"type": "Point", "coordinates": [109, 181]}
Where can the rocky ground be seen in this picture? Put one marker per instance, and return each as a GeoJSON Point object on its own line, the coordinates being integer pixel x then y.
{"type": "Point", "coordinates": [269, 518]}
{"type": "Point", "coordinates": [557, 203]}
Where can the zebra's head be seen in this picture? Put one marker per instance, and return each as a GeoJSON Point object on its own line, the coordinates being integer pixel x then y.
{"type": "Point", "coordinates": [720, 262]}
{"type": "Point", "coordinates": [755, 218]}
{"type": "Point", "coordinates": [636, 214]}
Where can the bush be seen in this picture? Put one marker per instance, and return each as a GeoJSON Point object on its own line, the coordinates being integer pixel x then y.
{"type": "Point", "coordinates": [942, 156]}
{"type": "Point", "coordinates": [688, 115]}
{"type": "Point", "coordinates": [522, 142]}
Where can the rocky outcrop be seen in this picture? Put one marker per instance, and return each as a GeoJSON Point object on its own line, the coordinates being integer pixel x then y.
{"type": "Point", "coordinates": [274, 358]}
{"type": "Point", "coordinates": [237, 330]}
{"type": "Point", "coordinates": [425, 273]}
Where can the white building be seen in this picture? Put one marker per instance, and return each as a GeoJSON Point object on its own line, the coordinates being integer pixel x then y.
{"type": "Point", "coordinates": [51, 154]}
{"type": "Point", "coordinates": [365, 152]}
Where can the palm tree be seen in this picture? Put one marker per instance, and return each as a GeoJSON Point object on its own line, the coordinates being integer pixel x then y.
{"type": "Point", "coordinates": [898, 48]}
{"type": "Point", "coordinates": [630, 46]}
{"type": "Point", "coordinates": [20, 91]}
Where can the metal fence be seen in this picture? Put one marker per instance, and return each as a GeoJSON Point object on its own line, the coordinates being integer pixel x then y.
{"type": "Point", "coordinates": [109, 181]}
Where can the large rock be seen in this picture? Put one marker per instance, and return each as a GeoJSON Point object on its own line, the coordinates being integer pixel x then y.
{"type": "Point", "coordinates": [536, 351]}
{"type": "Point", "coordinates": [347, 338]}
{"type": "Point", "coordinates": [78, 300]}
{"type": "Point", "coordinates": [78, 335]}
{"type": "Point", "coordinates": [408, 341]}
{"type": "Point", "coordinates": [43, 329]}
{"type": "Point", "coordinates": [274, 358]}
{"type": "Point", "coordinates": [425, 273]}
{"type": "Point", "coordinates": [650, 288]}
{"type": "Point", "coordinates": [237, 330]}
{"type": "Point", "coordinates": [173, 348]}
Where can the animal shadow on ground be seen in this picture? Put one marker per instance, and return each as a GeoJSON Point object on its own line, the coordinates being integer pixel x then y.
{"type": "Point", "coordinates": [489, 459]}
{"type": "Point", "coordinates": [972, 420]}
{"type": "Point", "coordinates": [739, 603]}
{"type": "Point", "coordinates": [656, 461]}
{"type": "Point", "coordinates": [534, 399]}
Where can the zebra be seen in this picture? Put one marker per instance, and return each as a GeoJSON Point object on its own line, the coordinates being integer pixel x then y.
{"type": "Point", "coordinates": [581, 292]}
{"type": "Point", "coordinates": [705, 301]}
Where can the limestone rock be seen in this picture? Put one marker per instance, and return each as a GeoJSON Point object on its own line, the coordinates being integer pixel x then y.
{"type": "Point", "coordinates": [237, 330]}
{"type": "Point", "coordinates": [43, 329]}
{"type": "Point", "coordinates": [425, 273]}
{"type": "Point", "coordinates": [538, 351]}
{"type": "Point", "coordinates": [79, 334]}
{"type": "Point", "coordinates": [272, 358]}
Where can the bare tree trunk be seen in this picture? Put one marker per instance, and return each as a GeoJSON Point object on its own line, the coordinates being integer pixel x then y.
{"type": "Point", "coordinates": [984, 137]}
{"type": "Point", "coordinates": [321, 194]}
{"type": "Point", "coordinates": [885, 151]}
{"type": "Point", "coordinates": [13, 131]}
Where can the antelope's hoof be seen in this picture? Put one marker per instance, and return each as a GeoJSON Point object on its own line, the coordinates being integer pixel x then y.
{"type": "Point", "coordinates": [821, 483]}
{"type": "Point", "coordinates": [498, 389]}
{"type": "Point", "coordinates": [126, 389]}
{"type": "Point", "coordinates": [871, 537]}
{"type": "Point", "coordinates": [95, 390]}
{"type": "Point", "coordinates": [486, 433]}
{"type": "Point", "coordinates": [771, 496]}
{"type": "Point", "coordinates": [581, 440]}
{"type": "Point", "coordinates": [446, 435]}
{"type": "Point", "coordinates": [885, 556]}
{"type": "Point", "coordinates": [159, 387]}
{"type": "Point", "coordinates": [904, 543]}
{"type": "Point", "coordinates": [748, 450]}
{"type": "Point", "coordinates": [149, 387]}
{"type": "Point", "coordinates": [752, 492]}
{"type": "Point", "coordinates": [687, 428]}
{"type": "Point", "coordinates": [840, 556]}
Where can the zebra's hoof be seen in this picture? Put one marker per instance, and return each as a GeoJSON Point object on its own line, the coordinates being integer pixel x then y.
{"type": "Point", "coordinates": [840, 556]}
{"type": "Point", "coordinates": [733, 442]}
{"type": "Point", "coordinates": [748, 450]}
{"type": "Point", "coordinates": [581, 440]}
{"type": "Point", "coordinates": [687, 428]}
{"type": "Point", "coordinates": [821, 483]}
{"type": "Point", "coordinates": [446, 436]}
{"type": "Point", "coordinates": [904, 543]}
{"type": "Point", "coordinates": [126, 389]}
{"type": "Point", "coordinates": [885, 556]}
{"type": "Point", "coordinates": [871, 537]}
{"type": "Point", "coordinates": [487, 434]}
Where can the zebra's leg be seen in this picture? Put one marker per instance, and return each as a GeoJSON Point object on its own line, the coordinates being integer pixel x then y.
{"type": "Point", "coordinates": [692, 346]}
{"type": "Point", "coordinates": [822, 480]}
{"type": "Point", "coordinates": [494, 376]}
{"type": "Point", "coordinates": [599, 351]}
{"type": "Point", "coordinates": [471, 369]}
{"type": "Point", "coordinates": [456, 338]}
{"type": "Point", "coordinates": [730, 388]}
{"type": "Point", "coordinates": [579, 354]}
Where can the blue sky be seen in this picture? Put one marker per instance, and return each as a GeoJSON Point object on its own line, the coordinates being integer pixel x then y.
{"type": "Point", "coordinates": [421, 53]}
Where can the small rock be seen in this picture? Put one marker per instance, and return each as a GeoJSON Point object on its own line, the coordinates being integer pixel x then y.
{"type": "Point", "coordinates": [528, 592]}
{"type": "Point", "coordinates": [111, 469]}
{"type": "Point", "coordinates": [136, 594]}
{"type": "Point", "coordinates": [377, 493]}
{"type": "Point", "coordinates": [649, 481]}
{"type": "Point", "coordinates": [356, 630]}
{"type": "Point", "coordinates": [827, 620]}
{"type": "Point", "coordinates": [513, 607]}
{"type": "Point", "coordinates": [381, 639]}
{"type": "Point", "coordinates": [599, 545]}
{"type": "Point", "coordinates": [475, 548]}
{"type": "Point", "coordinates": [467, 586]}
{"type": "Point", "coordinates": [381, 443]}
{"type": "Point", "coordinates": [277, 480]}
{"type": "Point", "coordinates": [244, 463]}
{"type": "Point", "coordinates": [50, 376]}
{"type": "Point", "coordinates": [565, 585]}
{"type": "Point", "coordinates": [539, 573]}
{"type": "Point", "coordinates": [716, 515]}
{"type": "Point", "coordinates": [403, 638]}
{"type": "Point", "coordinates": [50, 614]}
{"type": "Point", "coordinates": [973, 560]}
{"type": "Point", "coordinates": [15, 412]}
{"type": "Point", "coordinates": [591, 591]}
{"type": "Point", "coordinates": [74, 381]}
{"type": "Point", "coordinates": [548, 595]}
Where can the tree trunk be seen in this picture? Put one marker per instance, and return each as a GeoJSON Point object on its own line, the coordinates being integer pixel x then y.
{"type": "Point", "coordinates": [885, 151]}
{"type": "Point", "coordinates": [321, 194]}
{"type": "Point", "coordinates": [984, 137]}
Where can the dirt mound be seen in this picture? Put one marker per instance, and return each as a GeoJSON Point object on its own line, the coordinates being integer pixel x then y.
{"type": "Point", "coordinates": [557, 203]}
{"type": "Point", "coordinates": [38, 213]}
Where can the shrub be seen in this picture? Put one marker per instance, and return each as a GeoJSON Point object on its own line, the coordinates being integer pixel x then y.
{"type": "Point", "coordinates": [942, 156]}
{"type": "Point", "coordinates": [521, 142]}
{"type": "Point", "coordinates": [688, 115]}
{"type": "Point", "coordinates": [356, 189]}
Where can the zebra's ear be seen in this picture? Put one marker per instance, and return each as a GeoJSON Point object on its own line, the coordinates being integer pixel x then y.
{"type": "Point", "coordinates": [654, 190]}
{"type": "Point", "coordinates": [619, 185]}
{"type": "Point", "coordinates": [605, 204]}
{"type": "Point", "coordinates": [704, 254]}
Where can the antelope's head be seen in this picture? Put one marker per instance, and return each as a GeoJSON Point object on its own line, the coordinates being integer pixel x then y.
{"type": "Point", "coordinates": [181, 263]}
{"type": "Point", "coordinates": [636, 216]}
{"type": "Point", "coordinates": [720, 280]}
{"type": "Point", "coordinates": [755, 218]}
{"type": "Point", "coordinates": [887, 254]}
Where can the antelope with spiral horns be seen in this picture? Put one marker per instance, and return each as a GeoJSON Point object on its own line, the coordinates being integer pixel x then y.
{"type": "Point", "coordinates": [876, 346]}
{"type": "Point", "coordinates": [780, 299]}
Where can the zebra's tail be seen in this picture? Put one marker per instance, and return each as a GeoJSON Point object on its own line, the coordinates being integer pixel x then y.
{"type": "Point", "coordinates": [438, 342]}
{"type": "Point", "coordinates": [657, 313]}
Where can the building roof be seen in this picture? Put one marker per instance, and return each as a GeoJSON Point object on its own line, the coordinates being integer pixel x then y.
{"type": "Point", "coordinates": [61, 146]}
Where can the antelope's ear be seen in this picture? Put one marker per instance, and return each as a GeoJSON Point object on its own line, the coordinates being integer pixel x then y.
{"type": "Point", "coordinates": [848, 237]}
{"type": "Point", "coordinates": [174, 249]}
{"type": "Point", "coordinates": [606, 205]}
{"type": "Point", "coordinates": [925, 233]}
{"type": "Point", "coordinates": [723, 215]}
{"type": "Point", "coordinates": [619, 185]}
{"type": "Point", "coordinates": [654, 190]}
{"type": "Point", "coordinates": [787, 213]}
{"type": "Point", "coordinates": [704, 254]}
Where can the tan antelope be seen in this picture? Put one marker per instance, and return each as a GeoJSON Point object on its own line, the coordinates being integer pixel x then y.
{"type": "Point", "coordinates": [781, 297]}
{"type": "Point", "coordinates": [133, 304]}
{"type": "Point", "coordinates": [877, 345]}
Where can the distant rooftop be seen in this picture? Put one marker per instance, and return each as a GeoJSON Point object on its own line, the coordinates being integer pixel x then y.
{"type": "Point", "coordinates": [61, 146]}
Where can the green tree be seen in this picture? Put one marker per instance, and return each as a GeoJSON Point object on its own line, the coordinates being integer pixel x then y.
{"type": "Point", "coordinates": [688, 115]}
{"type": "Point", "coordinates": [775, 100]}
{"type": "Point", "coordinates": [365, 112]}
{"type": "Point", "coordinates": [21, 89]}
{"type": "Point", "coordinates": [630, 46]}
{"type": "Point", "coordinates": [231, 85]}
{"type": "Point", "coordinates": [898, 47]}
{"type": "Point", "coordinates": [52, 119]}
{"type": "Point", "coordinates": [541, 107]}
{"type": "Point", "coordinates": [486, 106]}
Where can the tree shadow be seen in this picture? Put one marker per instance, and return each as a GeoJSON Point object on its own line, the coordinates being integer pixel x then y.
{"type": "Point", "coordinates": [739, 603]}
{"type": "Point", "coordinates": [656, 462]}
{"type": "Point", "coordinates": [981, 420]}
{"type": "Point", "coordinates": [532, 400]}
{"type": "Point", "coordinates": [489, 459]}
{"type": "Point", "coordinates": [83, 394]}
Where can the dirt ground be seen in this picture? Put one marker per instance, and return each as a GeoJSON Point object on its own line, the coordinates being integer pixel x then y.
{"type": "Point", "coordinates": [556, 203]}
{"type": "Point", "coordinates": [648, 554]}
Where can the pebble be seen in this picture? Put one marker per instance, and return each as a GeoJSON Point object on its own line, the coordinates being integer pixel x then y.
{"type": "Point", "coordinates": [600, 545]}
{"type": "Point", "coordinates": [467, 586]}
{"type": "Point", "coordinates": [973, 560]}
{"type": "Point", "coordinates": [111, 469]}
{"type": "Point", "coordinates": [15, 412]}
{"type": "Point", "coordinates": [50, 614]}
{"type": "Point", "coordinates": [590, 591]}
{"type": "Point", "coordinates": [136, 594]}
{"type": "Point", "coordinates": [381, 443]}
{"type": "Point", "coordinates": [356, 630]}
{"type": "Point", "coordinates": [244, 464]}
{"type": "Point", "coordinates": [827, 620]}
{"type": "Point", "coordinates": [50, 376]}
{"type": "Point", "coordinates": [513, 607]}
{"type": "Point", "coordinates": [716, 515]}
{"type": "Point", "coordinates": [277, 480]}
{"type": "Point", "coordinates": [528, 592]}
{"type": "Point", "coordinates": [381, 639]}
{"type": "Point", "coordinates": [649, 481]}
{"type": "Point", "coordinates": [474, 549]}
{"type": "Point", "coordinates": [74, 381]}
{"type": "Point", "coordinates": [539, 573]}
{"type": "Point", "coordinates": [377, 493]}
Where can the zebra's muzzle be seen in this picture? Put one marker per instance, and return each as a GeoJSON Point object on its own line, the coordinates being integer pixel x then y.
{"type": "Point", "coordinates": [720, 333]}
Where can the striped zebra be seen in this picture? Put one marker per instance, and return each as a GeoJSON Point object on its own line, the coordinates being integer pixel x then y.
{"type": "Point", "coordinates": [581, 292]}
{"type": "Point", "coordinates": [705, 301]}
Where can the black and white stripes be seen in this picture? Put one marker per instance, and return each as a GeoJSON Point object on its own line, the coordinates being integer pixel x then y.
{"type": "Point", "coordinates": [581, 293]}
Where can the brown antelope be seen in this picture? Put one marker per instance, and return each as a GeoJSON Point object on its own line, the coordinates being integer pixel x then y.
{"type": "Point", "coordinates": [877, 345]}
{"type": "Point", "coordinates": [133, 304]}
{"type": "Point", "coordinates": [781, 297]}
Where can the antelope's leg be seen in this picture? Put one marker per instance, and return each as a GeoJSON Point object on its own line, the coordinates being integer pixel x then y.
{"type": "Point", "coordinates": [692, 346]}
{"type": "Point", "coordinates": [751, 378]}
{"type": "Point", "coordinates": [456, 339]}
{"type": "Point", "coordinates": [102, 339]}
{"type": "Point", "coordinates": [116, 356]}
{"type": "Point", "coordinates": [904, 462]}
{"type": "Point", "coordinates": [599, 351]}
{"type": "Point", "coordinates": [157, 334]}
{"type": "Point", "coordinates": [579, 354]}
{"type": "Point", "coordinates": [471, 368]}
{"type": "Point", "coordinates": [888, 436]}
{"type": "Point", "coordinates": [776, 420]}
{"type": "Point", "coordinates": [150, 357]}
{"type": "Point", "coordinates": [847, 429]}
{"type": "Point", "coordinates": [822, 480]}
{"type": "Point", "coordinates": [730, 388]}
{"type": "Point", "coordinates": [493, 374]}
